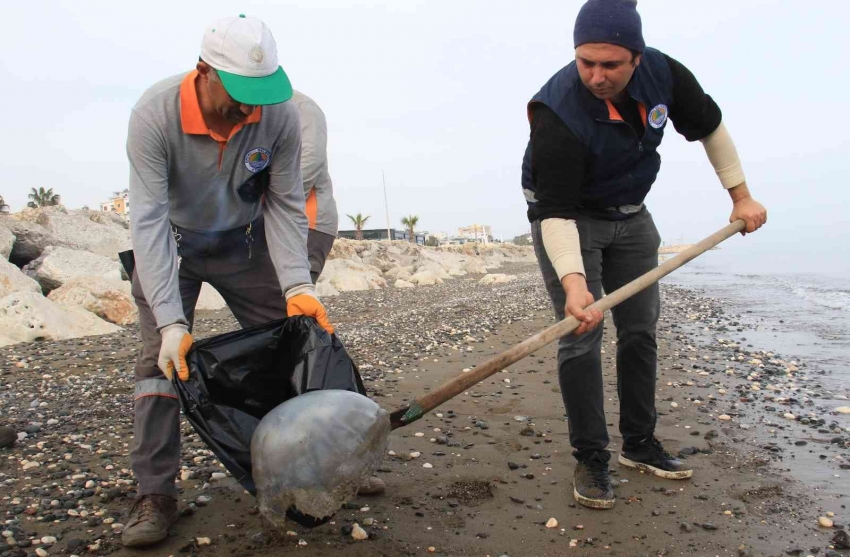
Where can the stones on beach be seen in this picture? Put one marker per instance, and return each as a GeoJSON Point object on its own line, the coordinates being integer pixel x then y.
{"type": "Point", "coordinates": [724, 417]}
{"type": "Point", "coordinates": [825, 522]}
{"type": "Point", "coordinates": [8, 436]}
{"type": "Point", "coordinates": [28, 316]}
{"type": "Point", "coordinates": [359, 533]}
{"type": "Point", "coordinates": [496, 278]}
{"type": "Point", "coordinates": [109, 300]}
{"type": "Point", "coordinates": [58, 265]}
{"type": "Point", "coordinates": [843, 410]}
{"type": "Point", "coordinates": [552, 523]}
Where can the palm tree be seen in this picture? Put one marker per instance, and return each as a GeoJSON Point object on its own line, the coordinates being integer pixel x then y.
{"type": "Point", "coordinates": [359, 222]}
{"type": "Point", "coordinates": [42, 198]}
{"type": "Point", "coordinates": [410, 223]}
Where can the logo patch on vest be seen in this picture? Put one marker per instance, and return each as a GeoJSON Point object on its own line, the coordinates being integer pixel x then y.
{"type": "Point", "coordinates": [257, 159]}
{"type": "Point", "coordinates": [658, 115]}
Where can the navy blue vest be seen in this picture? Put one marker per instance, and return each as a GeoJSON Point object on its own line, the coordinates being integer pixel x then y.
{"type": "Point", "coordinates": [624, 162]}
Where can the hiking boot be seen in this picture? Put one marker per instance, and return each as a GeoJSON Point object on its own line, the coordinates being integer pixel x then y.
{"type": "Point", "coordinates": [372, 486]}
{"type": "Point", "coordinates": [149, 520]}
{"type": "Point", "coordinates": [650, 457]}
{"type": "Point", "coordinates": [592, 485]}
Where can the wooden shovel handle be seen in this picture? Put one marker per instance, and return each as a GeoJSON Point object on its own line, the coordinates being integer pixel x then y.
{"type": "Point", "coordinates": [447, 391]}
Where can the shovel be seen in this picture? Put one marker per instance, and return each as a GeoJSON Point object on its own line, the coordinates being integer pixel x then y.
{"type": "Point", "coordinates": [356, 446]}
{"type": "Point", "coordinates": [424, 404]}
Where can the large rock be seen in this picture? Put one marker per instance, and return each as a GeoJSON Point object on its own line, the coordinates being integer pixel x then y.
{"type": "Point", "coordinates": [13, 280]}
{"type": "Point", "coordinates": [325, 289]}
{"type": "Point", "coordinates": [28, 316]}
{"type": "Point", "coordinates": [107, 299]}
{"type": "Point", "coordinates": [425, 278]}
{"type": "Point", "coordinates": [31, 240]}
{"type": "Point", "coordinates": [58, 265]}
{"type": "Point", "coordinates": [347, 275]}
{"type": "Point", "coordinates": [81, 229]}
{"type": "Point", "coordinates": [210, 299]}
{"type": "Point", "coordinates": [496, 278]}
{"type": "Point", "coordinates": [7, 241]}
{"type": "Point", "coordinates": [108, 218]}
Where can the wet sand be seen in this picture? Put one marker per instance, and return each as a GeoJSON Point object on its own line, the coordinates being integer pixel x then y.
{"type": "Point", "coordinates": [742, 500]}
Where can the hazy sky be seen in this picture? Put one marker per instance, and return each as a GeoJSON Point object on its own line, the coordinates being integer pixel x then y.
{"type": "Point", "coordinates": [434, 94]}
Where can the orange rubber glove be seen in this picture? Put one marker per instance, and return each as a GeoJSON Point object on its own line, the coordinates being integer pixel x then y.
{"type": "Point", "coordinates": [309, 305]}
{"type": "Point", "coordinates": [176, 342]}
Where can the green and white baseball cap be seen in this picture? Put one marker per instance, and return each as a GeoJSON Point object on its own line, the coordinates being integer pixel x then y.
{"type": "Point", "coordinates": [244, 53]}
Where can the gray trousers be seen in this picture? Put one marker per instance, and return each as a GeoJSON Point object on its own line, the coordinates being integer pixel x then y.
{"type": "Point", "coordinates": [252, 292]}
{"type": "Point", "coordinates": [614, 253]}
{"type": "Point", "coordinates": [319, 246]}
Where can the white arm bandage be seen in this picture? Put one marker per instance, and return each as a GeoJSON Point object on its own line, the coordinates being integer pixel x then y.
{"type": "Point", "coordinates": [561, 241]}
{"type": "Point", "coordinates": [724, 158]}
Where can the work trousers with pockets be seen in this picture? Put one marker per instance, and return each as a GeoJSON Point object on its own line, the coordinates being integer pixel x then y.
{"type": "Point", "coordinates": [319, 245]}
{"type": "Point", "coordinates": [614, 253]}
{"type": "Point", "coordinates": [251, 289]}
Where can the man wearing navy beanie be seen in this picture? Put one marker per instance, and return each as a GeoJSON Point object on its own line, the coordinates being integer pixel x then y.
{"type": "Point", "coordinates": [591, 159]}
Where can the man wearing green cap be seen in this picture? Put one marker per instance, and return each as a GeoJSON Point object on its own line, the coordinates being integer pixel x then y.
{"type": "Point", "coordinates": [205, 149]}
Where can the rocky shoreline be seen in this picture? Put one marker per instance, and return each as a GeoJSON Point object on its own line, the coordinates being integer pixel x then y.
{"type": "Point", "coordinates": [483, 475]}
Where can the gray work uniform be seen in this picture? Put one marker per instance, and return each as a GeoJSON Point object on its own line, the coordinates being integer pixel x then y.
{"type": "Point", "coordinates": [318, 187]}
{"type": "Point", "coordinates": [198, 215]}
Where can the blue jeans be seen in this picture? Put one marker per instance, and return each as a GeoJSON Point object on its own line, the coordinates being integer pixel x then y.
{"type": "Point", "coordinates": [614, 253]}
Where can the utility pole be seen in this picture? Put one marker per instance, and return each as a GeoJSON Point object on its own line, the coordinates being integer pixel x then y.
{"type": "Point", "coordinates": [386, 206]}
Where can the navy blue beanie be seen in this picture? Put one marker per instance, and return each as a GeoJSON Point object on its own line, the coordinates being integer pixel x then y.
{"type": "Point", "coordinates": [610, 21]}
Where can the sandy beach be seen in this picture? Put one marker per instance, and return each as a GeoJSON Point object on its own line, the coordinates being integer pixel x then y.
{"type": "Point", "coordinates": [500, 464]}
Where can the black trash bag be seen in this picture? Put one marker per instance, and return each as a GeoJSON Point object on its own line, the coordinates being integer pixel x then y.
{"type": "Point", "coordinates": [236, 378]}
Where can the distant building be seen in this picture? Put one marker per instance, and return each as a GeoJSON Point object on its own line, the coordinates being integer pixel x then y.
{"type": "Point", "coordinates": [119, 204]}
{"type": "Point", "coordinates": [381, 234]}
{"type": "Point", "coordinates": [476, 233]}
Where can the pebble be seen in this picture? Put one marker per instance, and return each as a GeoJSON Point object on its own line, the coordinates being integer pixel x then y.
{"type": "Point", "coordinates": [789, 416]}
{"type": "Point", "coordinates": [674, 405]}
{"type": "Point", "coordinates": [216, 476]}
{"type": "Point", "coordinates": [419, 434]}
{"type": "Point", "coordinates": [8, 436]}
{"type": "Point", "coordinates": [48, 540]}
{"type": "Point", "coordinates": [41, 552]}
{"type": "Point", "coordinates": [843, 409]}
{"type": "Point", "coordinates": [359, 533]}
{"type": "Point", "coordinates": [724, 417]}
{"type": "Point", "coordinates": [203, 541]}
{"type": "Point", "coordinates": [552, 523]}
{"type": "Point", "coordinates": [825, 522]}
{"type": "Point", "coordinates": [427, 465]}
{"type": "Point", "coordinates": [415, 454]}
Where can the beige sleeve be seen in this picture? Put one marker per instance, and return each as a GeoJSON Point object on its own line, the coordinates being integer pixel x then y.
{"type": "Point", "coordinates": [724, 157]}
{"type": "Point", "coordinates": [561, 241]}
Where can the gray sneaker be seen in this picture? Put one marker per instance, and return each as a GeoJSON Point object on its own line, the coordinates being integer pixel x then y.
{"type": "Point", "coordinates": [149, 520]}
{"type": "Point", "coordinates": [592, 485]}
{"type": "Point", "coordinates": [650, 457]}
